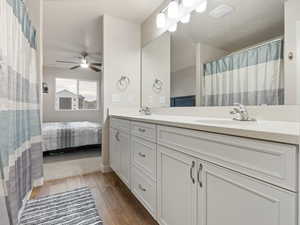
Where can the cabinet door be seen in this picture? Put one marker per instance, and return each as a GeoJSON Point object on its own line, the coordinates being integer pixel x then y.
{"type": "Point", "coordinates": [114, 152]}
{"type": "Point", "coordinates": [176, 182]}
{"type": "Point", "coordinates": [125, 157]}
{"type": "Point", "coordinates": [229, 198]}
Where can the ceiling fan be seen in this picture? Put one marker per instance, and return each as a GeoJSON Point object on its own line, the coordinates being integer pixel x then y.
{"type": "Point", "coordinates": [84, 63]}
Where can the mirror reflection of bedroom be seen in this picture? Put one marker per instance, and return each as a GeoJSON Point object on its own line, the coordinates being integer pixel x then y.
{"type": "Point", "coordinates": [71, 95]}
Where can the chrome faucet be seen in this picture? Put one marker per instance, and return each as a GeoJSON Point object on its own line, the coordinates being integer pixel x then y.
{"type": "Point", "coordinates": [242, 113]}
{"type": "Point", "coordinates": [145, 110]}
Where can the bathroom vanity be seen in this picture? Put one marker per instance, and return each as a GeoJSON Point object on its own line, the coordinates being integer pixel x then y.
{"type": "Point", "coordinates": [189, 170]}
{"type": "Point", "coordinates": [196, 171]}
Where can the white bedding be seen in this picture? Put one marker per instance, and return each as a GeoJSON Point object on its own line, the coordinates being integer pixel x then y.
{"type": "Point", "coordinates": [61, 135]}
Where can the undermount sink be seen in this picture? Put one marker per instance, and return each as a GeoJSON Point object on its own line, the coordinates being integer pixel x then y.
{"type": "Point", "coordinates": [225, 122]}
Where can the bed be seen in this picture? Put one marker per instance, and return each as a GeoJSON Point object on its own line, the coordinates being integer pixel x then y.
{"type": "Point", "coordinates": [64, 135]}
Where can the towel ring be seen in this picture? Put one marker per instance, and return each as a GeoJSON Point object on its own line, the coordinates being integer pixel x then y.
{"type": "Point", "coordinates": [158, 84]}
{"type": "Point", "coordinates": [123, 82]}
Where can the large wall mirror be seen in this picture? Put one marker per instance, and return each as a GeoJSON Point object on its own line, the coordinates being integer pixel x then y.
{"type": "Point", "coordinates": [232, 53]}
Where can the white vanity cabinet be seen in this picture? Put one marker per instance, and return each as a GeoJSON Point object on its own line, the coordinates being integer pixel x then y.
{"type": "Point", "coordinates": [195, 192]}
{"type": "Point", "coordinates": [144, 166]}
{"type": "Point", "coordinates": [176, 188]}
{"type": "Point", "coordinates": [114, 153]}
{"type": "Point", "coordinates": [228, 197]}
{"type": "Point", "coordinates": [190, 177]}
{"type": "Point", "coordinates": [120, 151]}
{"type": "Point", "coordinates": [211, 179]}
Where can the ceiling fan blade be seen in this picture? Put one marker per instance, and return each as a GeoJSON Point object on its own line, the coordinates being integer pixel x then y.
{"type": "Point", "coordinates": [74, 67]}
{"type": "Point", "coordinates": [96, 64]}
{"type": "Point", "coordinates": [60, 61]}
{"type": "Point", "coordinates": [95, 69]}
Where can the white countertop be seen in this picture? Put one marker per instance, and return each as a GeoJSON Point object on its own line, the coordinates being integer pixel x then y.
{"type": "Point", "coordinates": [279, 131]}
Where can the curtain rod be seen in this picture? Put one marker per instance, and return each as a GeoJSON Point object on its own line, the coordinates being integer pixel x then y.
{"type": "Point", "coordinates": [257, 45]}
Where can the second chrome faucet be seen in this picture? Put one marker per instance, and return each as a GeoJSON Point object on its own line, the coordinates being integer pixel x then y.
{"type": "Point", "coordinates": [241, 113]}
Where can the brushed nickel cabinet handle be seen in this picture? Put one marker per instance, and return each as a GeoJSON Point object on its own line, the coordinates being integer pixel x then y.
{"type": "Point", "coordinates": [117, 136]}
{"type": "Point", "coordinates": [142, 155]}
{"type": "Point", "coordinates": [142, 188]}
{"type": "Point", "coordinates": [198, 175]}
{"type": "Point", "coordinates": [142, 130]}
{"type": "Point", "coordinates": [191, 171]}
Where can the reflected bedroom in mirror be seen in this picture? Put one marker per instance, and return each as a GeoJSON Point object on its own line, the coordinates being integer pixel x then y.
{"type": "Point", "coordinates": [230, 52]}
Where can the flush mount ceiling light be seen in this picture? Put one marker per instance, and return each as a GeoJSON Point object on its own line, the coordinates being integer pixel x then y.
{"type": "Point", "coordinates": [179, 11]}
{"type": "Point", "coordinates": [221, 11]}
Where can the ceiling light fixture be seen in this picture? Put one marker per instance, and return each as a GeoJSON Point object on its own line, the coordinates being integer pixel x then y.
{"type": "Point", "coordinates": [202, 7]}
{"type": "Point", "coordinates": [84, 64]}
{"type": "Point", "coordinates": [173, 10]}
{"type": "Point", "coordinates": [161, 20]}
{"type": "Point", "coordinates": [188, 3]}
{"type": "Point", "coordinates": [173, 28]}
{"type": "Point", "coordinates": [179, 11]}
{"type": "Point", "coordinates": [186, 18]}
{"type": "Point", "coordinates": [221, 11]}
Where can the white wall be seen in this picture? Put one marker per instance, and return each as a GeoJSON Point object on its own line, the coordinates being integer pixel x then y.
{"type": "Point", "coordinates": [183, 82]}
{"type": "Point", "coordinates": [292, 79]}
{"type": "Point", "coordinates": [121, 43]}
{"type": "Point", "coordinates": [183, 52]}
{"type": "Point", "coordinates": [298, 62]}
{"type": "Point", "coordinates": [49, 112]}
{"type": "Point", "coordinates": [183, 65]}
{"type": "Point", "coordinates": [122, 56]}
{"type": "Point", "coordinates": [156, 64]}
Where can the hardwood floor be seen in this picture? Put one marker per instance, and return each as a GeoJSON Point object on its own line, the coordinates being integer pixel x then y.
{"type": "Point", "coordinates": [116, 204]}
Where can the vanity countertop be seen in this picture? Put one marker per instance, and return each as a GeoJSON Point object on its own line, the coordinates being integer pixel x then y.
{"type": "Point", "coordinates": [278, 131]}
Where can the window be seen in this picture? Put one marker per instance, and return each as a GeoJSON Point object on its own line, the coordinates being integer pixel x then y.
{"type": "Point", "coordinates": [65, 103]}
{"type": "Point", "coordinates": [87, 95]}
{"type": "Point", "coordinates": [74, 94]}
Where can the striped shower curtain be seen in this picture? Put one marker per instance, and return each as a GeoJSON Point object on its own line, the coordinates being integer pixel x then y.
{"type": "Point", "coordinates": [20, 128]}
{"type": "Point", "coordinates": [251, 77]}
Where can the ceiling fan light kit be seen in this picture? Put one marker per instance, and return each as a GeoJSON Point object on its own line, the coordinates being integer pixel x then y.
{"type": "Point", "coordinates": [179, 11]}
{"type": "Point", "coordinates": [84, 64]}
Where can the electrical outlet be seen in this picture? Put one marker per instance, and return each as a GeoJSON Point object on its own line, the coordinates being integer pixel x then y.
{"type": "Point", "coordinates": [162, 100]}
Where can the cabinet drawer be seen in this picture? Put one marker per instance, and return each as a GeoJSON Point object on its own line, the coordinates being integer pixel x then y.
{"type": "Point", "coordinates": [122, 125]}
{"type": "Point", "coordinates": [272, 162]}
{"type": "Point", "coordinates": [144, 189]}
{"type": "Point", "coordinates": [144, 130]}
{"type": "Point", "coordinates": [144, 156]}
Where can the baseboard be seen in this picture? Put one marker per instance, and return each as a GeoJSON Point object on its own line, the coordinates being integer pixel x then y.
{"type": "Point", "coordinates": [105, 168]}
{"type": "Point", "coordinates": [38, 182]}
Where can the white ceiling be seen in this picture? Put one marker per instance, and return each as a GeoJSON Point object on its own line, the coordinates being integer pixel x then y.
{"type": "Point", "coordinates": [251, 22]}
{"type": "Point", "coordinates": [72, 26]}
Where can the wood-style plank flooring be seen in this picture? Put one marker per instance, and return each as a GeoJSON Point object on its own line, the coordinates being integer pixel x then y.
{"type": "Point", "coordinates": [116, 204]}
